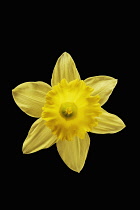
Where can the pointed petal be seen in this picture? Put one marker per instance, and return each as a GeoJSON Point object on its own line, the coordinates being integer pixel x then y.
{"type": "Point", "coordinates": [108, 123]}
{"type": "Point", "coordinates": [102, 85]}
{"type": "Point", "coordinates": [30, 97]}
{"type": "Point", "coordinates": [64, 68]}
{"type": "Point", "coordinates": [74, 153]}
{"type": "Point", "coordinates": [39, 137]}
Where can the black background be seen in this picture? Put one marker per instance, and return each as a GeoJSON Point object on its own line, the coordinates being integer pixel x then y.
{"type": "Point", "coordinates": [99, 46]}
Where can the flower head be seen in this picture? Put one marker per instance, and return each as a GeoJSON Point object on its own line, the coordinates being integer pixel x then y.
{"type": "Point", "coordinates": [67, 111]}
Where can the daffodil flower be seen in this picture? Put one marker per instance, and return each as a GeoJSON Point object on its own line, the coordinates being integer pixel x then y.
{"type": "Point", "coordinates": [67, 110]}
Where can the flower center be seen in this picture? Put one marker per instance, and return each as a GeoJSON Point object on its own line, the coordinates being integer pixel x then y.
{"type": "Point", "coordinates": [68, 110]}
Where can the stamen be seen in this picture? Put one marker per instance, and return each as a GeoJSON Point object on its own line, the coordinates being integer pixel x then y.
{"type": "Point", "coordinates": [68, 110]}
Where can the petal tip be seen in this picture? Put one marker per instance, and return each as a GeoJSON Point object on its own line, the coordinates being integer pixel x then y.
{"type": "Point", "coordinates": [24, 152]}
{"type": "Point", "coordinates": [123, 125]}
{"type": "Point", "coordinates": [65, 53]}
{"type": "Point", "coordinates": [115, 81]}
{"type": "Point", "coordinates": [13, 91]}
{"type": "Point", "coordinates": [23, 149]}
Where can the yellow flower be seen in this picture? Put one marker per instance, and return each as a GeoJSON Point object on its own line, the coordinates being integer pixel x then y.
{"type": "Point", "coordinates": [67, 110]}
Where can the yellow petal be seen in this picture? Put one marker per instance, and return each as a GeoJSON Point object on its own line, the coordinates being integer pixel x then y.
{"type": "Point", "coordinates": [102, 85]}
{"type": "Point", "coordinates": [30, 97]}
{"type": "Point", "coordinates": [108, 123]}
{"type": "Point", "coordinates": [64, 68]}
{"type": "Point", "coordinates": [74, 153]}
{"type": "Point", "coordinates": [39, 137]}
